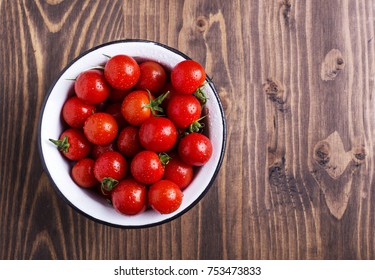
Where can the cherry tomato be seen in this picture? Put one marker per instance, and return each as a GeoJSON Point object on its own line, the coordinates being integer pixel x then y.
{"type": "Point", "coordinates": [183, 110]}
{"type": "Point", "coordinates": [114, 109]}
{"type": "Point", "coordinates": [195, 149]}
{"type": "Point", "coordinates": [133, 107]}
{"type": "Point", "coordinates": [178, 172]}
{"type": "Point", "coordinates": [129, 197]}
{"type": "Point", "coordinates": [152, 77]}
{"type": "Point", "coordinates": [128, 141]}
{"type": "Point", "coordinates": [100, 128]}
{"type": "Point", "coordinates": [75, 112]}
{"type": "Point", "coordinates": [73, 144]}
{"type": "Point", "coordinates": [146, 167]}
{"type": "Point", "coordinates": [165, 196]}
{"type": "Point", "coordinates": [117, 95]}
{"type": "Point", "coordinates": [158, 134]}
{"type": "Point", "coordinates": [109, 168]}
{"type": "Point", "coordinates": [83, 173]}
{"type": "Point", "coordinates": [122, 72]}
{"type": "Point", "coordinates": [187, 76]}
{"type": "Point", "coordinates": [91, 87]}
{"type": "Point", "coordinates": [97, 150]}
{"type": "Point", "coordinates": [171, 92]}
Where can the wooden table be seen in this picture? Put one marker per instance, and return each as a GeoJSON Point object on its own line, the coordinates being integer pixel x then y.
{"type": "Point", "coordinates": [296, 79]}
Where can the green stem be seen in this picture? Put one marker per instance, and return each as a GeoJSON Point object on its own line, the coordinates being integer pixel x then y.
{"type": "Point", "coordinates": [108, 184]}
{"type": "Point", "coordinates": [199, 93]}
{"type": "Point", "coordinates": [196, 126]}
{"type": "Point", "coordinates": [62, 145]}
{"type": "Point", "coordinates": [154, 104]}
{"type": "Point", "coordinates": [164, 158]}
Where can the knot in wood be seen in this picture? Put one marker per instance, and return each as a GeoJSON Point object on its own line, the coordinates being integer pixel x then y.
{"type": "Point", "coordinates": [322, 153]}
{"type": "Point", "coordinates": [201, 24]}
{"type": "Point", "coordinates": [286, 6]}
{"type": "Point", "coordinates": [332, 64]}
{"type": "Point", "coordinates": [359, 155]}
{"type": "Point", "coordinates": [273, 88]}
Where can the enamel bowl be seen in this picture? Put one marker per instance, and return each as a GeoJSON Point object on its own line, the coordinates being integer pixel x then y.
{"type": "Point", "coordinates": [58, 168]}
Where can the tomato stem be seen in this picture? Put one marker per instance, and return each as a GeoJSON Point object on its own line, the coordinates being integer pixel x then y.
{"type": "Point", "coordinates": [199, 93]}
{"type": "Point", "coordinates": [62, 145]}
{"type": "Point", "coordinates": [196, 126]}
{"type": "Point", "coordinates": [164, 158]}
{"type": "Point", "coordinates": [154, 104]}
{"type": "Point", "coordinates": [107, 56]}
{"type": "Point", "coordinates": [108, 184]}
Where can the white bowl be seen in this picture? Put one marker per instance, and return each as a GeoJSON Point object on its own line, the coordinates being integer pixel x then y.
{"type": "Point", "coordinates": [58, 168]}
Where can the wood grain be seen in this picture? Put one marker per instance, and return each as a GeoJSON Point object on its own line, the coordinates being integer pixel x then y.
{"type": "Point", "coordinates": [296, 79]}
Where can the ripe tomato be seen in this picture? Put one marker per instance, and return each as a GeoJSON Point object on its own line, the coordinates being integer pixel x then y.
{"type": "Point", "coordinates": [83, 173]}
{"type": "Point", "coordinates": [152, 77]}
{"type": "Point", "coordinates": [178, 172]}
{"type": "Point", "coordinates": [187, 76]}
{"type": "Point", "coordinates": [109, 168]}
{"type": "Point", "coordinates": [158, 134]}
{"type": "Point", "coordinates": [129, 197]}
{"type": "Point", "coordinates": [133, 107]}
{"type": "Point", "coordinates": [114, 109]}
{"type": "Point", "coordinates": [73, 144]}
{"type": "Point", "coordinates": [91, 87]}
{"type": "Point", "coordinates": [195, 149]}
{"type": "Point", "coordinates": [97, 150]}
{"type": "Point", "coordinates": [183, 110]}
{"type": "Point", "coordinates": [128, 141]}
{"type": "Point", "coordinates": [122, 72]}
{"type": "Point", "coordinates": [117, 95]}
{"type": "Point", "coordinates": [100, 128]}
{"type": "Point", "coordinates": [146, 167]}
{"type": "Point", "coordinates": [75, 112]}
{"type": "Point", "coordinates": [165, 196]}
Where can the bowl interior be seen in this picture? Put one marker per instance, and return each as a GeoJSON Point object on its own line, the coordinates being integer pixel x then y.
{"type": "Point", "coordinates": [58, 168]}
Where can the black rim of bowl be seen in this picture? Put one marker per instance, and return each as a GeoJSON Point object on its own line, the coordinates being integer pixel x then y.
{"type": "Point", "coordinates": [218, 166]}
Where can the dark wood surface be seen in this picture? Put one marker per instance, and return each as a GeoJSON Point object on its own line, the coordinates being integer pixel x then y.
{"type": "Point", "coordinates": [296, 79]}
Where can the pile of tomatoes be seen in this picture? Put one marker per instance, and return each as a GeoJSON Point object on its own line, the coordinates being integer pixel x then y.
{"type": "Point", "coordinates": [134, 132]}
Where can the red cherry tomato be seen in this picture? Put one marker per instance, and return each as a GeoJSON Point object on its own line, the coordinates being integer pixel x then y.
{"type": "Point", "coordinates": [122, 72]}
{"type": "Point", "coordinates": [133, 107]}
{"type": "Point", "coordinates": [183, 110]}
{"type": "Point", "coordinates": [165, 196]}
{"type": "Point", "coordinates": [110, 168]}
{"type": "Point", "coordinates": [117, 95]}
{"type": "Point", "coordinates": [195, 149]}
{"type": "Point", "coordinates": [128, 141]}
{"type": "Point", "coordinates": [146, 167]}
{"type": "Point", "coordinates": [171, 92]}
{"type": "Point", "coordinates": [187, 76]}
{"type": "Point", "coordinates": [100, 128]}
{"type": "Point", "coordinates": [114, 109]}
{"type": "Point", "coordinates": [158, 134]}
{"type": "Point", "coordinates": [83, 173]}
{"type": "Point", "coordinates": [178, 172]}
{"type": "Point", "coordinates": [129, 197]}
{"type": "Point", "coordinates": [75, 112]}
{"type": "Point", "coordinates": [97, 150]}
{"type": "Point", "coordinates": [152, 77]}
{"type": "Point", "coordinates": [73, 144]}
{"type": "Point", "coordinates": [91, 87]}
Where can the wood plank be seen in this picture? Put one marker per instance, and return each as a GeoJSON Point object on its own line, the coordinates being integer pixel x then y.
{"type": "Point", "coordinates": [296, 82]}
